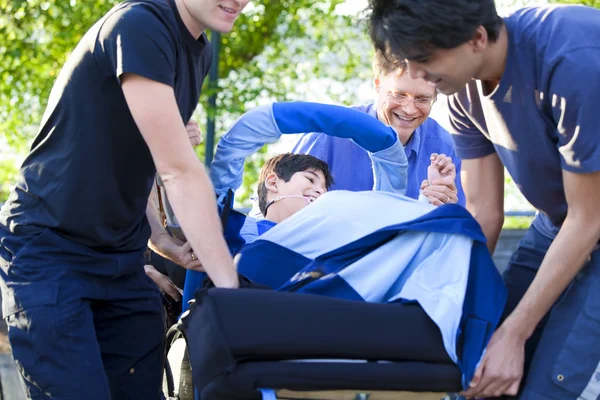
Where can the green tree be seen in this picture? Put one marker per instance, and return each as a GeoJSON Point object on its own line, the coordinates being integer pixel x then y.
{"type": "Point", "coordinates": [590, 3]}
{"type": "Point", "coordinates": [276, 47]}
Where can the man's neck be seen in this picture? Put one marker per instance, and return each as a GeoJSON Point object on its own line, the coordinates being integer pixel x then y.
{"type": "Point", "coordinates": [494, 61]}
{"type": "Point", "coordinates": [193, 26]}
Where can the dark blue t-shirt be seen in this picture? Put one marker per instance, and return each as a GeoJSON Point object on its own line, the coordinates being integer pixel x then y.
{"type": "Point", "coordinates": [544, 116]}
{"type": "Point", "coordinates": [89, 172]}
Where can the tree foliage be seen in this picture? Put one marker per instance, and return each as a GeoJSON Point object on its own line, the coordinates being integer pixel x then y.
{"type": "Point", "coordinates": [276, 47]}
{"type": "Point", "coordinates": [278, 50]}
{"type": "Point", "coordinates": [590, 3]}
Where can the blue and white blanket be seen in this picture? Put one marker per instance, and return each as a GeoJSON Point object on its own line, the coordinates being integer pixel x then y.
{"type": "Point", "coordinates": [383, 247]}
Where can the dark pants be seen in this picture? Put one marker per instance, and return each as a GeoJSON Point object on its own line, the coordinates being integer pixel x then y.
{"type": "Point", "coordinates": [563, 355]}
{"type": "Point", "coordinates": [82, 324]}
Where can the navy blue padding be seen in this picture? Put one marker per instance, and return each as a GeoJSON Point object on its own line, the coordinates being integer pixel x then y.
{"type": "Point", "coordinates": [227, 327]}
{"type": "Point", "coordinates": [366, 131]}
{"type": "Point", "coordinates": [266, 267]}
{"type": "Point", "coordinates": [242, 383]}
{"type": "Point", "coordinates": [232, 222]}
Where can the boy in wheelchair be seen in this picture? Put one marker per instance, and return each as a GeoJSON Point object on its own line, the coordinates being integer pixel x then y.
{"type": "Point", "coordinates": [280, 170]}
{"type": "Point", "coordinates": [368, 246]}
{"type": "Point", "coordinates": [299, 179]}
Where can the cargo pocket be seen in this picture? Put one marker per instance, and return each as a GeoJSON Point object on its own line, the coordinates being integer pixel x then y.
{"type": "Point", "coordinates": [29, 310]}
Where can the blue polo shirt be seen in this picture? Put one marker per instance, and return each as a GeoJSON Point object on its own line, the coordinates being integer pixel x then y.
{"type": "Point", "coordinates": [543, 116]}
{"type": "Point", "coordinates": [351, 167]}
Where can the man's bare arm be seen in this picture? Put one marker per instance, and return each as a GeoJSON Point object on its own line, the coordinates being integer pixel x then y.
{"type": "Point", "coordinates": [501, 370]}
{"type": "Point", "coordinates": [569, 251]}
{"type": "Point", "coordinates": [190, 191]}
{"type": "Point", "coordinates": [152, 213]}
{"type": "Point", "coordinates": [483, 184]}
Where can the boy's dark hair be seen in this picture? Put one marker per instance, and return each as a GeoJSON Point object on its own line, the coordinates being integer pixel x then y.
{"type": "Point", "coordinates": [284, 166]}
{"type": "Point", "coordinates": [411, 29]}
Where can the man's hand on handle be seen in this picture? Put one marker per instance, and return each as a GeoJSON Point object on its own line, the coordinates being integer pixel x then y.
{"type": "Point", "coordinates": [501, 368]}
{"type": "Point", "coordinates": [176, 250]}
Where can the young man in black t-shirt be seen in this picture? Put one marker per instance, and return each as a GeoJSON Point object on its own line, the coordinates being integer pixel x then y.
{"type": "Point", "coordinates": [85, 321]}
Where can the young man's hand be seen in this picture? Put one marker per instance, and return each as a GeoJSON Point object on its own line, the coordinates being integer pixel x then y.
{"type": "Point", "coordinates": [194, 133]}
{"type": "Point", "coordinates": [440, 187]}
{"type": "Point", "coordinates": [501, 368]}
{"type": "Point", "coordinates": [163, 282]}
{"type": "Point", "coordinates": [175, 250]}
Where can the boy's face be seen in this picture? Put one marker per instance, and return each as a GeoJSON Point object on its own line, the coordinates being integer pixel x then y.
{"type": "Point", "coordinates": [217, 15]}
{"type": "Point", "coordinates": [309, 184]}
{"type": "Point", "coordinates": [403, 118]}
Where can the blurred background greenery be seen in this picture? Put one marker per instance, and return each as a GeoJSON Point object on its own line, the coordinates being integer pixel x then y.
{"type": "Point", "coordinates": [316, 50]}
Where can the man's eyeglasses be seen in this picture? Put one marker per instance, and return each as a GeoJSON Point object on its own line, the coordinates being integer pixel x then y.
{"type": "Point", "coordinates": [403, 99]}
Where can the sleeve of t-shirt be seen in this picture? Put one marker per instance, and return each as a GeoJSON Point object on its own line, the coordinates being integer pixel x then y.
{"type": "Point", "coordinates": [574, 99]}
{"type": "Point", "coordinates": [390, 169]}
{"type": "Point", "coordinates": [469, 141]}
{"type": "Point", "coordinates": [248, 134]}
{"type": "Point", "coordinates": [136, 39]}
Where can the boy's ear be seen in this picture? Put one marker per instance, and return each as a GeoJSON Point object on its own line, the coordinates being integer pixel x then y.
{"type": "Point", "coordinates": [271, 182]}
{"type": "Point", "coordinates": [376, 83]}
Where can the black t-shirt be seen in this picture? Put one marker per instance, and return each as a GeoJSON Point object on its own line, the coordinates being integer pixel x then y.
{"type": "Point", "coordinates": [89, 172]}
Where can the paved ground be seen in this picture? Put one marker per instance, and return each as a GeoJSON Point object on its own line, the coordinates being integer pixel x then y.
{"type": "Point", "coordinates": [4, 346]}
{"type": "Point", "coordinates": [10, 383]}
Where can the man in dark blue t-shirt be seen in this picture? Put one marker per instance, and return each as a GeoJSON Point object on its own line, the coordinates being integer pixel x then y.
{"type": "Point", "coordinates": [523, 96]}
{"type": "Point", "coordinates": [84, 320]}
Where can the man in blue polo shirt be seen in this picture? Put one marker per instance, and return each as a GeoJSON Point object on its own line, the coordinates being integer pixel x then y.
{"type": "Point", "coordinates": [532, 107]}
{"type": "Point", "coordinates": [404, 104]}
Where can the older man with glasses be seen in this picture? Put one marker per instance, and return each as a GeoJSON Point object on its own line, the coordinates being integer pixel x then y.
{"type": "Point", "coordinates": [403, 103]}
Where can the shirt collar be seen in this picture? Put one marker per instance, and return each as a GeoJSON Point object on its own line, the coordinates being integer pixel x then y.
{"type": "Point", "coordinates": [372, 110]}
{"type": "Point", "coordinates": [414, 143]}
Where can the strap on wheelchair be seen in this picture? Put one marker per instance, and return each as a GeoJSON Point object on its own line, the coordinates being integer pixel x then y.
{"type": "Point", "coordinates": [227, 207]}
{"type": "Point", "coordinates": [175, 332]}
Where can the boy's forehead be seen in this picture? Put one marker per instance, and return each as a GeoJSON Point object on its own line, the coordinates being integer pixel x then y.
{"type": "Point", "coordinates": [316, 172]}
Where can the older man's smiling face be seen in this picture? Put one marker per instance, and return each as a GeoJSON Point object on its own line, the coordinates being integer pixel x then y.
{"type": "Point", "coordinates": [403, 118]}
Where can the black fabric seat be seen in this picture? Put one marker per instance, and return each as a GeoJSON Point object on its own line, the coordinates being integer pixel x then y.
{"type": "Point", "coordinates": [242, 340]}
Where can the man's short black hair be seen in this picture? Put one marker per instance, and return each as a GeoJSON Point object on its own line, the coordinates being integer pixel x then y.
{"type": "Point", "coordinates": [285, 166]}
{"type": "Point", "coordinates": [411, 29]}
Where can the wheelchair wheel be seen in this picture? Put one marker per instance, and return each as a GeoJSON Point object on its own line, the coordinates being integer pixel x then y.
{"type": "Point", "coordinates": [177, 377]}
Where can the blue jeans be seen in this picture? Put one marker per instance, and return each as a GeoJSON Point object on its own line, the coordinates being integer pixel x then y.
{"type": "Point", "coordinates": [563, 354]}
{"type": "Point", "coordinates": [83, 324]}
